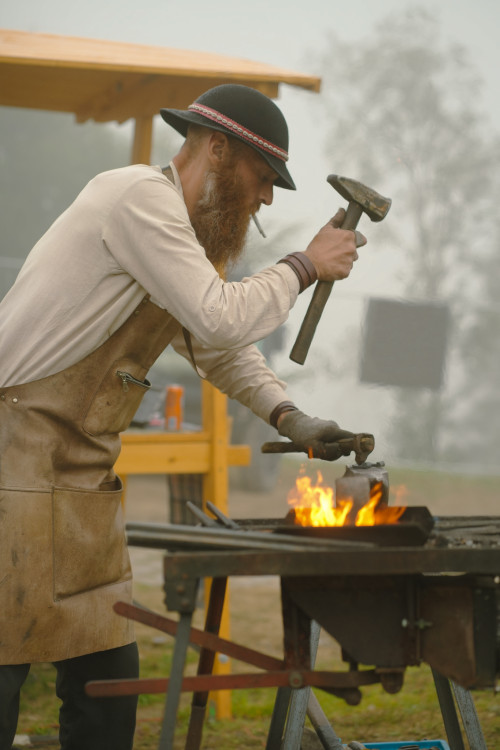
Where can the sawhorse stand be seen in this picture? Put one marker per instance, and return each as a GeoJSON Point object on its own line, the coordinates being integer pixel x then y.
{"type": "Point", "coordinates": [291, 705]}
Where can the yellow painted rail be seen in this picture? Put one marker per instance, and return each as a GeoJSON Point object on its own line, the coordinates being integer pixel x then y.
{"type": "Point", "coordinates": [174, 453]}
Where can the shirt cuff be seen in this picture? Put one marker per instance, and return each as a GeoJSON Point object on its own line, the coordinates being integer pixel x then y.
{"type": "Point", "coordinates": [279, 410]}
{"type": "Point", "coordinates": [303, 268]}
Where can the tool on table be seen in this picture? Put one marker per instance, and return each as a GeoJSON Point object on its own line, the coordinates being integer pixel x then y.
{"type": "Point", "coordinates": [361, 199]}
{"type": "Point", "coordinates": [362, 444]}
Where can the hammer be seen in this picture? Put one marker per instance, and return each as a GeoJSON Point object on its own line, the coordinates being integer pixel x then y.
{"type": "Point", "coordinates": [360, 199]}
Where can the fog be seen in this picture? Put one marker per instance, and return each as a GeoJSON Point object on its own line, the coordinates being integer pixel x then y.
{"type": "Point", "coordinates": [337, 381]}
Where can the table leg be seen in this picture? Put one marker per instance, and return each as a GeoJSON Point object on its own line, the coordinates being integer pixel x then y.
{"type": "Point", "coordinates": [448, 711]}
{"type": "Point", "coordinates": [470, 719]}
{"type": "Point", "coordinates": [175, 685]}
{"type": "Point", "coordinates": [206, 663]}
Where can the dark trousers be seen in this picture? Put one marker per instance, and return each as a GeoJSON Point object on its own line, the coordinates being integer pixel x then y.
{"type": "Point", "coordinates": [85, 723]}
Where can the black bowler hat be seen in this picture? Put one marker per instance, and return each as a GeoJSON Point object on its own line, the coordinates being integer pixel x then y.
{"type": "Point", "coordinates": [244, 113]}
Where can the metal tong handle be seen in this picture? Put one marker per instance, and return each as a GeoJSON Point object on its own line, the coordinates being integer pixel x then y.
{"type": "Point", "coordinates": [362, 443]}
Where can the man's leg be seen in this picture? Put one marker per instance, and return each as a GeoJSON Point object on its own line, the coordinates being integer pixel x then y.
{"type": "Point", "coordinates": [96, 723]}
{"type": "Point", "coordinates": [12, 677]}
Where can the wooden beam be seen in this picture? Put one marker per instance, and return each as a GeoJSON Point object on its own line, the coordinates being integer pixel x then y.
{"type": "Point", "coordinates": [106, 81]}
{"type": "Point", "coordinates": [23, 48]}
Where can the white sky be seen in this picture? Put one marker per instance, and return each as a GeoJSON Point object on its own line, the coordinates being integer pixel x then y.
{"type": "Point", "coordinates": [281, 32]}
{"type": "Point", "coordinates": [285, 33]}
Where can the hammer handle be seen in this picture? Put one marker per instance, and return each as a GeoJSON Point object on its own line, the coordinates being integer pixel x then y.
{"type": "Point", "coordinates": [320, 297]}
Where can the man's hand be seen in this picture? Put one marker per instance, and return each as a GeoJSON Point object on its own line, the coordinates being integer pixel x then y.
{"type": "Point", "coordinates": [318, 438]}
{"type": "Point", "coordinates": [333, 250]}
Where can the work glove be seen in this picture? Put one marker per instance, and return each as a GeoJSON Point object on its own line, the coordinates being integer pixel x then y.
{"type": "Point", "coordinates": [319, 438]}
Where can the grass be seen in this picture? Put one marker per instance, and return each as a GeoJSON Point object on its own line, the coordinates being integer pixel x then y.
{"type": "Point", "coordinates": [412, 714]}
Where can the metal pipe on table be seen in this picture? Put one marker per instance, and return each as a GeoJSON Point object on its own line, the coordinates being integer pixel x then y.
{"type": "Point", "coordinates": [173, 536]}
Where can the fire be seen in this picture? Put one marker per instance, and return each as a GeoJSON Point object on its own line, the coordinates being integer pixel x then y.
{"type": "Point", "coordinates": [316, 505]}
{"type": "Point", "coordinates": [371, 515]}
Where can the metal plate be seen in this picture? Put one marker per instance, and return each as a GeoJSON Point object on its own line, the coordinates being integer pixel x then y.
{"type": "Point", "coordinates": [412, 529]}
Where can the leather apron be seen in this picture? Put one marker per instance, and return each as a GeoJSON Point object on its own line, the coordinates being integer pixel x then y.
{"type": "Point", "coordinates": [63, 553]}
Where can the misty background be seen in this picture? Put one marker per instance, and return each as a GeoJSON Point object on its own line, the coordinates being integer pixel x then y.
{"type": "Point", "coordinates": [409, 345]}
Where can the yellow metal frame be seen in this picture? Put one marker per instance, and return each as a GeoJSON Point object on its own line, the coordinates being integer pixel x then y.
{"type": "Point", "coordinates": [206, 451]}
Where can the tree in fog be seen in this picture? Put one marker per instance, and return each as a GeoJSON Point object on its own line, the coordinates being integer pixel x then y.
{"type": "Point", "coordinates": [476, 433]}
{"type": "Point", "coordinates": [405, 118]}
{"type": "Point", "coordinates": [46, 158]}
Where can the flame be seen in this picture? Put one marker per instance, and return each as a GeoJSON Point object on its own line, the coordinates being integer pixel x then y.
{"type": "Point", "coordinates": [371, 515]}
{"type": "Point", "coordinates": [316, 505]}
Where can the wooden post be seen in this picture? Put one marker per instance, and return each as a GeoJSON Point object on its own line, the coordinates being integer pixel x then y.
{"type": "Point", "coordinates": [215, 422]}
{"type": "Point", "coordinates": [215, 489]}
{"type": "Point", "coordinates": [143, 136]}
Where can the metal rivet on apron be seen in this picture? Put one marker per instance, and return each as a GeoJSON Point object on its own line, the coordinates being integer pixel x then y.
{"type": "Point", "coordinates": [2, 396]}
{"type": "Point", "coordinates": [15, 400]}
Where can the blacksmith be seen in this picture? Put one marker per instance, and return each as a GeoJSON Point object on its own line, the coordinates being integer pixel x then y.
{"type": "Point", "coordinates": [137, 262]}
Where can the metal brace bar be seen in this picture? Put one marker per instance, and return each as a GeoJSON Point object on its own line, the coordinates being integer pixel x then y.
{"type": "Point", "coordinates": [324, 729]}
{"type": "Point", "coordinates": [175, 682]}
{"type": "Point", "coordinates": [328, 681]}
{"type": "Point", "coordinates": [448, 711]}
{"type": "Point", "coordinates": [198, 637]}
{"type": "Point", "coordinates": [304, 701]}
{"type": "Point", "coordinates": [468, 713]}
{"type": "Point", "coordinates": [470, 719]}
{"type": "Point", "coordinates": [298, 702]}
{"type": "Point", "coordinates": [278, 718]}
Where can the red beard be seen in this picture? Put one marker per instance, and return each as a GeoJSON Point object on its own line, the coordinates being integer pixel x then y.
{"type": "Point", "coordinates": [221, 218]}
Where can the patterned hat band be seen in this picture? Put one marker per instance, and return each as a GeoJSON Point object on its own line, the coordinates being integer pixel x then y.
{"type": "Point", "coordinates": [242, 132]}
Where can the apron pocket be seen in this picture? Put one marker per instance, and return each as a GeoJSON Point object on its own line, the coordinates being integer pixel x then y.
{"type": "Point", "coordinates": [116, 399]}
{"type": "Point", "coordinates": [89, 543]}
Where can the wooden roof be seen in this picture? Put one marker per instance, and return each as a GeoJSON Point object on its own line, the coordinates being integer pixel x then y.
{"type": "Point", "coordinates": [102, 80]}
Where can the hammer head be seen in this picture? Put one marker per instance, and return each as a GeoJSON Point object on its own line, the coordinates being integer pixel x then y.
{"type": "Point", "coordinates": [372, 203]}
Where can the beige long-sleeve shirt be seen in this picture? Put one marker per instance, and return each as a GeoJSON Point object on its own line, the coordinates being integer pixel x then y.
{"type": "Point", "coordinates": [126, 235]}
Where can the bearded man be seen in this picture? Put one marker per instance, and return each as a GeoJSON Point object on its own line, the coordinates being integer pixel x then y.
{"type": "Point", "coordinates": [137, 262]}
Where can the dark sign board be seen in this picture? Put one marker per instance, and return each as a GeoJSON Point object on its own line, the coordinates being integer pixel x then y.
{"type": "Point", "coordinates": [405, 343]}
